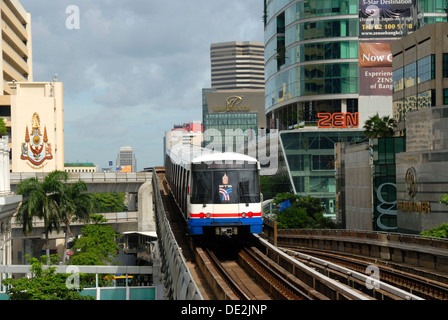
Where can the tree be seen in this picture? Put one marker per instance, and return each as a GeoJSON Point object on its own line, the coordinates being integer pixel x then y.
{"type": "Point", "coordinates": [97, 244]}
{"type": "Point", "coordinates": [42, 200]}
{"type": "Point", "coordinates": [302, 213]}
{"type": "Point", "coordinates": [45, 284]}
{"type": "Point", "coordinates": [3, 129]}
{"type": "Point", "coordinates": [75, 205]}
{"type": "Point", "coordinates": [379, 127]}
{"type": "Point", "coordinates": [440, 231]}
{"type": "Point", "coordinates": [109, 202]}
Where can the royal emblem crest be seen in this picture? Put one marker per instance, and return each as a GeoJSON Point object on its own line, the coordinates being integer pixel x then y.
{"type": "Point", "coordinates": [36, 148]}
{"type": "Point", "coordinates": [225, 189]}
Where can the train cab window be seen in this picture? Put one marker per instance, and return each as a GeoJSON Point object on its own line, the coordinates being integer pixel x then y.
{"type": "Point", "coordinates": [202, 187]}
{"type": "Point", "coordinates": [249, 186]}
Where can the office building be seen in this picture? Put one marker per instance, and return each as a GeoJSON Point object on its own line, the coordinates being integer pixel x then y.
{"type": "Point", "coordinates": [16, 45]}
{"type": "Point", "coordinates": [237, 65]}
{"type": "Point", "coordinates": [334, 56]}
{"type": "Point", "coordinates": [420, 72]}
{"type": "Point", "coordinates": [233, 108]}
{"type": "Point", "coordinates": [329, 67]}
{"type": "Point", "coordinates": [126, 161]}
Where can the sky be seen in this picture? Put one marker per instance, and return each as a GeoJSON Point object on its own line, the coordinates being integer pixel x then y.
{"type": "Point", "coordinates": [132, 69]}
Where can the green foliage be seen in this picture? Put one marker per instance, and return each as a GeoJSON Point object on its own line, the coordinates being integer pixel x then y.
{"type": "Point", "coordinates": [46, 284]}
{"type": "Point", "coordinates": [379, 127]}
{"type": "Point", "coordinates": [109, 202]}
{"type": "Point", "coordinates": [3, 129]}
{"type": "Point", "coordinates": [54, 201]}
{"type": "Point", "coordinates": [97, 245]}
{"type": "Point", "coordinates": [444, 199]}
{"type": "Point", "coordinates": [440, 231]}
{"type": "Point", "coordinates": [304, 213]}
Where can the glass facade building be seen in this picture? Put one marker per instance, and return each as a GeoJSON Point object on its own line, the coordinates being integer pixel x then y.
{"type": "Point", "coordinates": [309, 157]}
{"type": "Point", "coordinates": [323, 56]}
{"type": "Point", "coordinates": [312, 56]}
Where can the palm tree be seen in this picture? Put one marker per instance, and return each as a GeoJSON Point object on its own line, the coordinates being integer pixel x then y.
{"type": "Point", "coordinates": [41, 200]}
{"type": "Point", "coordinates": [76, 205]}
{"type": "Point", "coordinates": [379, 127]}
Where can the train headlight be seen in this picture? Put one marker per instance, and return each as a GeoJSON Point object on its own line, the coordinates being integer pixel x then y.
{"type": "Point", "coordinates": [243, 215]}
{"type": "Point", "coordinates": [208, 215]}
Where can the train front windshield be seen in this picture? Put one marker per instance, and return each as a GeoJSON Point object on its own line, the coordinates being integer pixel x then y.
{"type": "Point", "coordinates": [225, 185]}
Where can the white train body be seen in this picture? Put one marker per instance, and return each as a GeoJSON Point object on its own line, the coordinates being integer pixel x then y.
{"type": "Point", "coordinates": [216, 192]}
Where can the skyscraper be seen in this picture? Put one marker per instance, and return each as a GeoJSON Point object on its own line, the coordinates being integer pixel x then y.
{"type": "Point", "coordinates": [237, 65]}
{"type": "Point", "coordinates": [334, 56]}
{"type": "Point", "coordinates": [328, 69]}
{"type": "Point", "coordinates": [126, 161]}
{"type": "Point", "coordinates": [16, 44]}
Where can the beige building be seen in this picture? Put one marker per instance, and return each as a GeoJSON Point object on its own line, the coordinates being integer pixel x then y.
{"type": "Point", "coordinates": [16, 44]}
{"type": "Point", "coordinates": [237, 65]}
{"type": "Point", "coordinates": [80, 167]}
{"type": "Point", "coordinates": [37, 126]}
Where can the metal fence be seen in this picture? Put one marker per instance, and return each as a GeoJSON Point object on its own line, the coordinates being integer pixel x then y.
{"type": "Point", "coordinates": [179, 283]}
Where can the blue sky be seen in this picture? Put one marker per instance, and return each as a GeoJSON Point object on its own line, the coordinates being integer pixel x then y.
{"type": "Point", "coordinates": [131, 71]}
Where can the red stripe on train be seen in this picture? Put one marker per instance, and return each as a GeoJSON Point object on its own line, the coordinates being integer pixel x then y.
{"type": "Point", "coordinates": [209, 215]}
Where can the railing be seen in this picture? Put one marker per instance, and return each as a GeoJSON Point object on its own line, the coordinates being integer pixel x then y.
{"type": "Point", "coordinates": [179, 284]}
{"type": "Point", "coordinates": [87, 177]}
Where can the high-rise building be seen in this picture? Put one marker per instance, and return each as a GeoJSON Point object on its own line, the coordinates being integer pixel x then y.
{"type": "Point", "coordinates": [334, 56]}
{"type": "Point", "coordinates": [33, 111]}
{"type": "Point", "coordinates": [16, 45]}
{"type": "Point", "coordinates": [126, 161]}
{"type": "Point", "coordinates": [237, 65]}
{"type": "Point", "coordinates": [328, 70]}
{"type": "Point", "coordinates": [233, 108]}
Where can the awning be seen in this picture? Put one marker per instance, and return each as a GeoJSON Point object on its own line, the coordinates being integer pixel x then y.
{"type": "Point", "coordinates": [152, 234]}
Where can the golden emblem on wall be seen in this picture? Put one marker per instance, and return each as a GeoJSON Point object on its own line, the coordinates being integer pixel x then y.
{"type": "Point", "coordinates": [36, 148]}
{"type": "Point", "coordinates": [411, 182]}
{"type": "Point", "coordinates": [232, 104]}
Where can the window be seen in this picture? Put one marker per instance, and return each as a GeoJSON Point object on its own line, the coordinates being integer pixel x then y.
{"type": "Point", "coordinates": [426, 69]}
{"type": "Point", "coordinates": [410, 74]}
{"type": "Point", "coordinates": [398, 79]}
{"type": "Point", "coordinates": [323, 162]}
{"type": "Point", "coordinates": [445, 65]}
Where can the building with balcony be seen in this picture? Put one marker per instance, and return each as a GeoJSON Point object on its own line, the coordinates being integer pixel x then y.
{"type": "Point", "coordinates": [16, 44]}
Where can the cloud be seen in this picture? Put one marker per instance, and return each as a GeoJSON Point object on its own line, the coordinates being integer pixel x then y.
{"type": "Point", "coordinates": [135, 67]}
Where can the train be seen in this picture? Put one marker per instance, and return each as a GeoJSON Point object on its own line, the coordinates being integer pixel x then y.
{"type": "Point", "coordinates": [218, 193]}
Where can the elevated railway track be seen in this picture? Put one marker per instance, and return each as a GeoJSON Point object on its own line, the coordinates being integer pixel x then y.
{"type": "Point", "coordinates": [256, 269]}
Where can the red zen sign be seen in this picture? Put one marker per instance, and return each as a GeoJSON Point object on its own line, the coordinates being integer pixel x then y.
{"type": "Point", "coordinates": [338, 120]}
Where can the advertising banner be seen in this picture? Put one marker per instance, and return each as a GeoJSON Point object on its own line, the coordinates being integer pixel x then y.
{"type": "Point", "coordinates": [385, 18]}
{"type": "Point", "coordinates": [375, 69]}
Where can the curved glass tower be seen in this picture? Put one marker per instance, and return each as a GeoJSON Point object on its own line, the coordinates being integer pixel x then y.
{"type": "Point", "coordinates": [312, 55]}
{"type": "Point", "coordinates": [333, 59]}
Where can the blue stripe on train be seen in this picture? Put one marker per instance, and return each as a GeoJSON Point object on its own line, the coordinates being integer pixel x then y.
{"type": "Point", "coordinates": [195, 224]}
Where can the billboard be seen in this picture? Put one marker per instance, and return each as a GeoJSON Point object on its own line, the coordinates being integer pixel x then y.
{"type": "Point", "coordinates": [375, 69]}
{"type": "Point", "coordinates": [385, 18]}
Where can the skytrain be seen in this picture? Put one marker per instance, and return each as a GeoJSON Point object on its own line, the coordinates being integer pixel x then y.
{"type": "Point", "coordinates": [217, 193]}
